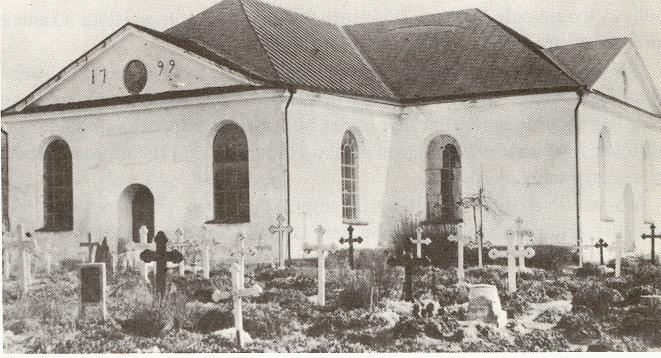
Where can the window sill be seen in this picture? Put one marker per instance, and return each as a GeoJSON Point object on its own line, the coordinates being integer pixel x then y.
{"type": "Point", "coordinates": [214, 222]}
{"type": "Point", "coordinates": [355, 222]}
{"type": "Point", "coordinates": [52, 229]}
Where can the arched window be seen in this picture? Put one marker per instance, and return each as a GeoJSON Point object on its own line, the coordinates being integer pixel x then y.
{"type": "Point", "coordinates": [231, 197]}
{"type": "Point", "coordinates": [443, 181]}
{"type": "Point", "coordinates": [58, 187]}
{"type": "Point", "coordinates": [349, 177]}
{"type": "Point", "coordinates": [603, 160]}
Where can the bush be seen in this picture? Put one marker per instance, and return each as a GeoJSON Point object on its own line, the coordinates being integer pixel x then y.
{"type": "Point", "coordinates": [541, 341]}
{"type": "Point", "coordinates": [588, 269]}
{"type": "Point", "coordinates": [632, 295]}
{"type": "Point", "coordinates": [643, 320]}
{"type": "Point", "coordinates": [552, 257]}
{"type": "Point", "coordinates": [489, 339]}
{"type": "Point", "coordinates": [447, 296]}
{"type": "Point", "coordinates": [338, 322]}
{"type": "Point", "coordinates": [579, 327]}
{"type": "Point", "coordinates": [267, 321]}
{"type": "Point", "coordinates": [515, 304]}
{"type": "Point", "coordinates": [595, 296]}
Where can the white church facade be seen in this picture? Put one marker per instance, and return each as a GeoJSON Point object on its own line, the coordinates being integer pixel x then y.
{"type": "Point", "coordinates": [246, 111]}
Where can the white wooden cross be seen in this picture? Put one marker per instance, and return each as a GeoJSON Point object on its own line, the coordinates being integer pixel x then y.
{"type": "Point", "coordinates": [239, 292]}
{"type": "Point", "coordinates": [42, 253]}
{"type": "Point", "coordinates": [419, 242]}
{"type": "Point", "coordinates": [281, 230]}
{"type": "Point", "coordinates": [521, 236]}
{"type": "Point", "coordinates": [511, 254]}
{"type": "Point", "coordinates": [475, 244]}
{"type": "Point", "coordinates": [140, 247]}
{"type": "Point", "coordinates": [181, 245]}
{"type": "Point", "coordinates": [90, 248]}
{"type": "Point", "coordinates": [321, 249]}
{"type": "Point", "coordinates": [461, 241]}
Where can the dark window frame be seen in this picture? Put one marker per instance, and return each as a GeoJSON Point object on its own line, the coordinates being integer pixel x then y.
{"type": "Point", "coordinates": [58, 187]}
{"type": "Point", "coordinates": [231, 176]}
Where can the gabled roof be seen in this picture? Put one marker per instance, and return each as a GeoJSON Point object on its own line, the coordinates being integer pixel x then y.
{"type": "Point", "coordinates": [455, 54]}
{"type": "Point", "coordinates": [284, 46]}
{"type": "Point", "coordinates": [587, 61]}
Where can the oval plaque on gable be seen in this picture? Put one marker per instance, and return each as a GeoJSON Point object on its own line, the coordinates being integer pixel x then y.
{"type": "Point", "coordinates": [135, 76]}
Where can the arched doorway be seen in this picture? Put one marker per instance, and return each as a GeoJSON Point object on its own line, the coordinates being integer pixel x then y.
{"type": "Point", "coordinates": [136, 208]}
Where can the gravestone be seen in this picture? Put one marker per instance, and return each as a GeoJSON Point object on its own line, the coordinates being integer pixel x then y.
{"type": "Point", "coordinates": [280, 230]}
{"type": "Point", "coordinates": [484, 305]}
{"type": "Point", "coordinates": [350, 240]}
{"type": "Point", "coordinates": [408, 261]}
{"type": "Point", "coordinates": [601, 245]}
{"type": "Point", "coordinates": [321, 249]}
{"type": "Point", "coordinates": [93, 292]}
{"type": "Point", "coordinates": [161, 257]}
{"type": "Point", "coordinates": [90, 247]}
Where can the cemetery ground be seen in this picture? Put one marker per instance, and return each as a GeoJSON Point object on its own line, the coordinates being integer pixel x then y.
{"type": "Point", "coordinates": [557, 307]}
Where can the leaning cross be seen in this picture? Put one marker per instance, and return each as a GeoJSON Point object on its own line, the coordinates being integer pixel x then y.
{"type": "Point", "coordinates": [408, 262]}
{"type": "Point", "coordinates": [461, 242]}
{"type": "Point", "coordinates": [239, 292]}
{"type": "Point", "coordinates": [90, 247]}
{"type": "Point", "coordinates": [652, 236]}
{"type": "Point", "coordinates": [419, 242]}
{"type": "Point", "coordinates": [601, 244]}
{"type": "Point", "coordinates": [281, 230]}
{"type": "Point", "coordinates": [321, 249]}
{"type": "Point", "coordinates": [511, 254]}
{"type": "Point", "coordinates": [350, 241]}
{"type": "Point", "coordinates": [521, 234]}
{"type": "Point", "coordinates": [161, 256]}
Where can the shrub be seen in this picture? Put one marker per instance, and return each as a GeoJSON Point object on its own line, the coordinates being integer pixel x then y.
{"type": "Point", "coordinates": [588, 269]}
{"type": "Point", "coordinates": [267, 321]}
{"type": "Point", "coordinates": [532, 292]}
{"type": "Point", "coordinates": [551, 315]}
{"type": "Point", "coordinates": [552, 257]}
{"type": "Point", "coordinates": [632, 295]}
{"type": "Point", "coordinates": [643, 320]}
{"type": "Point", "coordinates": [515, 304]}
{"type": "Point", "coordinates": [338, 322]}
{"type": "Point", "coordinates": [488, 339]}
{"type": "Point", "coordinates": [447, 296]}
{"type": "Point", "coordinates": [541, 341]}
{"type": "Point", "coordinates": [595, 296]}
{"type": "Point", "coordinates": [579, 327]}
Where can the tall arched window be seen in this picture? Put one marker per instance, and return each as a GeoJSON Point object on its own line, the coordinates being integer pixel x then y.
{"type": "Point", "coordinates": [443, 181]}
{"type": "Point", "coordinates": [349, 177]}
{"type": "Point", "coordinates": [58, 187]}
{"type": "Point", "coordinates": [231, 195]}
{"type": "Point", "coordinates": [603, 160]}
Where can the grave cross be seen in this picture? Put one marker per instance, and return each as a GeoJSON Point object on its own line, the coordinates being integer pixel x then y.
{"type": "Point", "coordinates": [205, 248]}
{"type": "Point", "coordinates": [25, 249]}
{"type": "Point", "coordinates": [461, 242]}
{"type": "Point", "coordinates": [407, 261]}
{"type": "Point", "coordinates": [138, 247]}
{"type": "Point", "coordinates": [161, 256]}
{"type": "Point", "coordinates": [521, 235]}
{"type": "Point", "coordinates": [601, 244]}
{"type": "Point", "coordinates": [90, 247]}
{"type": "Point", "coordinates": [321, 249]}
{"type": "Point", "coordinates": [618, 254]}
{"type": "Point", "coordinates": [419, 242]}
{"type": "Point", "coordinates": [511, 254]}
{"type": "Point", "coordinates": [652, 236]}
{"type": "Point", "coordinates": [239, 292]}
{"type": "Point", "coordinates": [350, 241]}
{"type": "Point", "coordinates": [281, 230]}
{"type": "Point", "coordinates": [183, 245]}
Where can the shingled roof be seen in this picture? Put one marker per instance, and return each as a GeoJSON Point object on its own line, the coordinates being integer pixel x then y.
{"type": "Point", "coordinates": [460, 54]}
{"type": "Point", "coordinates": [588, 61]}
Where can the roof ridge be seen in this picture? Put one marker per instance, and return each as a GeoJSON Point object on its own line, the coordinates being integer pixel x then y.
{"type": "Point", "coordinates": [533, 46]}
{"type": "Point", "coordinates": [367, 62]}
{"type": "Point", "coordinates": [627, 38]}
{"type": "Point", "coordinates": [259, 39]}
{"type": "Point", "coordinates": [411, 17]}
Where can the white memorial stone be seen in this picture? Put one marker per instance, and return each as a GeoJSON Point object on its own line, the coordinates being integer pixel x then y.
{"type": "Point", "coordinates": [322, 249]}
{"type": "Point", "coordinates": [484, 305]}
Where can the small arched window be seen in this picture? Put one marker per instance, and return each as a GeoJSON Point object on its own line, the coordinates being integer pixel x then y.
{"type": "Point", "coordinates": [58, 187]}
{"type": "Point", "coordinates": [349, 177]}
{"type": "Point", "coordinates": [443, 181]}
{"type": "Point", "coordinates": [230, 175]}
{"type": "Point", "coordinates": [603, 179]}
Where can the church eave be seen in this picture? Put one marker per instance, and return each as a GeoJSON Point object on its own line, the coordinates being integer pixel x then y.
{"type": "Point", "coordinates": [487, 95]}
{"type": "Point", "coordinates": [139, 98]}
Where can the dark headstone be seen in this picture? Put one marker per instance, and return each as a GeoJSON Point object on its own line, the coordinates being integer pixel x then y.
{"type": "Point", "coordinates": [104, 255]}
{"type": "Point", "coordinates": [91, 284]}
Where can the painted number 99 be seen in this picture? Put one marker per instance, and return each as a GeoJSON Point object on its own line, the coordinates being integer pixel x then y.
{"type": "Point", "coordinates": [161, 66]}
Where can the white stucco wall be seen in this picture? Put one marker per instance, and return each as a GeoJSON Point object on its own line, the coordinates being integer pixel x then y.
{"type": "Point", "coordinates": [166, 146]}
{"type": "Point", "coordinates": [630, 131]}
{"type": "Point", "coordinates": [522, 148]}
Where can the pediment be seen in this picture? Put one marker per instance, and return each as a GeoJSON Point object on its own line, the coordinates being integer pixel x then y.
{"type": "Point", "coordinates": [132, 62]}
{"type": "Point", "coordinates": [627, 79]}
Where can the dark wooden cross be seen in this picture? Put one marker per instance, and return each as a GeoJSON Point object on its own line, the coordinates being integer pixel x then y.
{"type": "Point", "coordinates": [601, 244]}
{"type": "Point", "coordinates": [90, 247]}
{"type": "Point", "coordinates": [161, 256]}
{"type": "Point", "coordinates": [408, 261]}
{"type": "Point", "coordinates": [652, 236]}
{"type": "Point", "coordinates": [350, 241]}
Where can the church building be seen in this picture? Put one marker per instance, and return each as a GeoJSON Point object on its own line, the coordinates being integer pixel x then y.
{"type": "Point", "coordinates": [246, 111]}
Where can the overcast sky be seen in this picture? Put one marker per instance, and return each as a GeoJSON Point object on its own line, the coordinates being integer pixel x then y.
{"type": "Point", "coordinates": [41, 37]}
